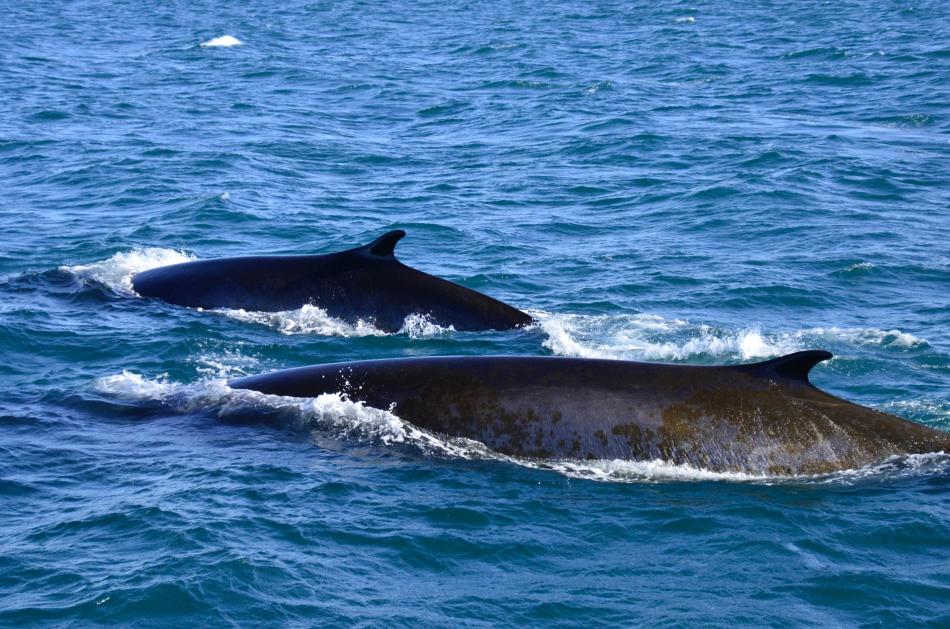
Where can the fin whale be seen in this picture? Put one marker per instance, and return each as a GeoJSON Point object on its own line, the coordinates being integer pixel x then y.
{"type": "Point", "coordinates": [366, 283]}
{"type": "Point", "coordinates": [761, 418]}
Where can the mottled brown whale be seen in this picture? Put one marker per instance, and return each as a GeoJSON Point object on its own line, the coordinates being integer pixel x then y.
{"type": "Point", "coordinates": [762, 418]}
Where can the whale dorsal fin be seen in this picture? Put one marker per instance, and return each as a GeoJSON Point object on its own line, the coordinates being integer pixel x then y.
{"type": "Point", "coordinates": [792, 366]}
{"type": "Point", "coordinates": [385, 245]}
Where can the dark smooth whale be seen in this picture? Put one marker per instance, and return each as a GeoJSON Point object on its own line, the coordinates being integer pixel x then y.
{"type": "Point", "coordinates": [366, 283]}
{"type": "Point", "coordinates": [762, 418]}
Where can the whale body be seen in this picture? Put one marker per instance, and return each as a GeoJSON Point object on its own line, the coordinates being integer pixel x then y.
{"type": "Point", "coordinates": [763, 418]}
{"type": "Point", "coordinates": [366, 283]}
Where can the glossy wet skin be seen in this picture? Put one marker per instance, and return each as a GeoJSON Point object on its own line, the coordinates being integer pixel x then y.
{"type": "Point", "coordinates": [763, 418]}
{"type": "Point", "coordinates": [366, 283]}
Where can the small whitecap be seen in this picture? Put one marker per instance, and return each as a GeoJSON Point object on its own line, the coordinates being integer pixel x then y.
{"type": "Point", "coordinates": [225, 41]}
{"type": "Point", "coordinates": [225, 196]}
{"type": "Point", "coordinates": [685, 20]}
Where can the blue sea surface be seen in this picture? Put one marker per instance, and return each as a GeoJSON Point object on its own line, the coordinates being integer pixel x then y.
{"type": "Point", "coordinates": [700, 182]}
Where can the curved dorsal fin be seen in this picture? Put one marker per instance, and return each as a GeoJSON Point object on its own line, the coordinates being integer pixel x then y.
{"type": "Point", "coordinates": [792, 366]}
{"type": "Point", "coordinates": [385, 245]}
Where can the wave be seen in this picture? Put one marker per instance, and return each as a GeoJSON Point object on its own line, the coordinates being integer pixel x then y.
{"type": "Point", "coordinates": [338, 417]}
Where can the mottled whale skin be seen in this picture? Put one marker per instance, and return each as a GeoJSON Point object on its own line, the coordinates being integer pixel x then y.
{"type": "Point", "coordinates": [366, 283]}
{"type": "Point", "coordinates": [763, 418]}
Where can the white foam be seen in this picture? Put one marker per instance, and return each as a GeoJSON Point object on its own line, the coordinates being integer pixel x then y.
{"type": "Point", "coordinates": [895, 467]}
{"type": "Point", "coordinates": [640, 471]}
{"type": "Point", "coordinates": [305, 320]}
{"type": "Point", "coordinates": [134, 387]}
{"type": "Point", "coordinates": [419, 326]}
{"type": "Point", "coordinates": [652, 337]}
{"type": "Point", "coordinates": [116, 273]}
{"type": "Point", "coordinates": [225, 41]}
{"type": "Point", "coordinates": [685, 20]}
{"type": "Point", "coordinates": [315, 320]}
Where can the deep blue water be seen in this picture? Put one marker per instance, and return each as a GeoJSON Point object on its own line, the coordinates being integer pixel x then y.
{"type": "Point", "coordinates": [708, 182]}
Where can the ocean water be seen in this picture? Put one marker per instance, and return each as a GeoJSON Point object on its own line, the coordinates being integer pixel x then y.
{"type": "Point", "coordinates": [698, 182]}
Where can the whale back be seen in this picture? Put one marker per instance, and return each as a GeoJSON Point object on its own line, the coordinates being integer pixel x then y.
{"type": "Point", "coordinates": [763, 418]}
{"type": "Point", "coordinates": [366, 283]}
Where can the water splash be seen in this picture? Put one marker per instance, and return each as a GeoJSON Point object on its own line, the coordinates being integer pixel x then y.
{"type": "Point", "coordinates": [116, 272]}
{"type": "Point", "coordinates": [304, 320]}
{"type": "Point", "coordinates": [419, 326]}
